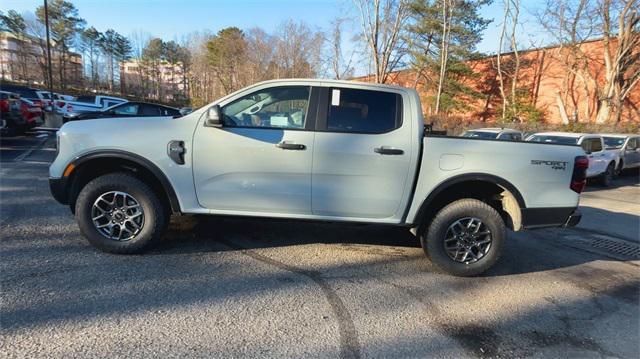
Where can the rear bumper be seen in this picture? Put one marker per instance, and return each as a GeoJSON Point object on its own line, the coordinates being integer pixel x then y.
{"type": "Point", "coordinates": [550, 217]}
{"type": "Point", "coordinates": [58, 189]}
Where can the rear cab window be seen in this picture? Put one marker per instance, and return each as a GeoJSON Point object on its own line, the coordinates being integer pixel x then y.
{"type": "Point", "coordinates": [591, 145]}
{"type": "Point", "coordinates": [362, 111]}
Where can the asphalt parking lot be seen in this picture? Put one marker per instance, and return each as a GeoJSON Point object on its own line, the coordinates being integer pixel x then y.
{"type": "Point", "coordinates": [231, 287]}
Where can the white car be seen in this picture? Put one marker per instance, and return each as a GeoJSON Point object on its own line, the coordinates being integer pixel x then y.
{"type": "Point", "coordinates": [602, 163]}
{"type": "Point", "coordinates": [88, 103]}
{"type": "Point", "coordinates": [45, 97]}
{"type": "Point", "coordinates": [626, 148]}
{"type": "Point", "coordinates": [497, 133]}
{"type": "Point", "coordinates": [315, 150]}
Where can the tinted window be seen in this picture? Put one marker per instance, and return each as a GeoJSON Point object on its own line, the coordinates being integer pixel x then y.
{"type": "Point", "coordinates": [150, 110]}
{"type": "Point", "coordinates": [592, 145]}
{"type": "Point", "coordinates": [90, 99]}
{"type": "Point", "coordinates": [126, 110]}
{"type": "Point", "coordinates": [166, 111]}
{"type": "Point", "coordinates": [279, 107]}
{"type": "Point", "coordinates": [25, 92]}
{"type": "Point", "coordinates": [613, 142]}
{"type": "Point", "coordinates": [363, 111]}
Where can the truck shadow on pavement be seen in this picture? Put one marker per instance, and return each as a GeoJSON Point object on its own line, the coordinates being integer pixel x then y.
{"type": "Point", "coordinates": [524, 252]}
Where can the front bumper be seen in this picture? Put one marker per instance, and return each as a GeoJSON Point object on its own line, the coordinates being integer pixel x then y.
{"type": "Point", "coordinates": [550, 217]}
{"type": "Point", "coordinates": [58, 188]}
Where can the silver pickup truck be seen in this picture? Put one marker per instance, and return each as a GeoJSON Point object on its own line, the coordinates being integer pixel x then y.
{"type": "Point", "coordinates": [314, 149]}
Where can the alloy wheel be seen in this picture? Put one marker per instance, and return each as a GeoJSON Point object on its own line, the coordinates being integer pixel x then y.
{"type": "Point", "coordinates": [117, 216]}
{"type": "Point", "coordinates": [467, 240]}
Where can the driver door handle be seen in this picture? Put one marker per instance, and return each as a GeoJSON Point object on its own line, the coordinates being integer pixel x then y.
{"type": "Point", "coordinates": [387, 150]}
{"type": "Point", "coordinates": [287, 145]}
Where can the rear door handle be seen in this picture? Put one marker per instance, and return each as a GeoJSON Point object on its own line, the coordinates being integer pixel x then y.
{"type": "Point", "coordinates": [387, 150]}
{"type": "Point", "coordinates": [286, 145]}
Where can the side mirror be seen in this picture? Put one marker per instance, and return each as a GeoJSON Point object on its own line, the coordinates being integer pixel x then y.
{"type": "Point", "coordinates": [213, 117]}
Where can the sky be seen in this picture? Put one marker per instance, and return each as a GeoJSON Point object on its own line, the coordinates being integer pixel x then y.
{"type": "Point", "coordinates": [170, 20]}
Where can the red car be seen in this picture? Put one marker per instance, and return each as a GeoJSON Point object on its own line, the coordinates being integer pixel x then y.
{"type": "Point", "coordinates": [10, 115]}
{"type": "Point", "coordinates": [31, 111]}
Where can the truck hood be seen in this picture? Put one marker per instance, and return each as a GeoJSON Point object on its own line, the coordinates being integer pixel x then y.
{"type": "Point", "coordinates": [133, 134]}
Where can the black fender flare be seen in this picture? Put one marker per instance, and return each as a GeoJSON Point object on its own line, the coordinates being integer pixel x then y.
{"type": "Point", "coordinates": [137, 159]}
{"type": "Point", "coordinates": [485, 177]}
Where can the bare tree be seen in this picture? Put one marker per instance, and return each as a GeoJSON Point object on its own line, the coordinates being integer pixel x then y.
{"type": "Point", "coordinates": [511, 17]}
{"type": "Point", "coordinates": [503, 33]}
{"type": "Point", "coordinates": [382, 22]}
{"type": "Point", "coordinates": [36, 31]}
{"type": "Point", "coordinates": [622, 68]}
{"type": "Point", "coordinates": [617, 23]}
{"type": "Point", "coordinates": [339, 67]}
{"type": "Point", "coordinates": [139, 41]}
{"type": "Point", "coordinates": [298, 50]}
{"type": "Point", "coordinates": [515, 14]}
{"type": "Point", "coordinates": [447, 12]}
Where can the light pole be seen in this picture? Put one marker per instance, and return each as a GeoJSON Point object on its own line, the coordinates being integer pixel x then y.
{"type": "Point", "coordinates": [46, 24]}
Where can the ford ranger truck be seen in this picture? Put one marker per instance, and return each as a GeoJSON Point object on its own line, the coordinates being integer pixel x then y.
{"type": "Point", "coordinates": [314, 149]}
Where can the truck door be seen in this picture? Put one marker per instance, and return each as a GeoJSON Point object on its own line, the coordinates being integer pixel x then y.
{"type": "Point", "coordinates": [632, 152]}
{"type": "Point", "coordinates": [361, 155]}
{"type": "Point", "coordinates": [260, 159]}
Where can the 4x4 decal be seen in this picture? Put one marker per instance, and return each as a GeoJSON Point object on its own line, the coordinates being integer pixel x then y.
{"type": "Point", "coordinates": [556, 165]}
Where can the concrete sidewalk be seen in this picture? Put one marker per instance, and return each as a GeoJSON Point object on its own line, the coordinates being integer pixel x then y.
{"type": "Point", "coordinates": [615, 210]}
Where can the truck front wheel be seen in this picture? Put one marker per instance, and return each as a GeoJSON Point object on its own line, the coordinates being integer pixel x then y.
{"type": "Point", "coordinates": [118, 213]}
{"type": "Point", "coordinates": [465, 237]}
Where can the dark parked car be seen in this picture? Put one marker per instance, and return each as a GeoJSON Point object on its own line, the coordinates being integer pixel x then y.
{"type": "Point", "coordinates": [127, 109]}
{"type": "Point", "coordinates": [24, 92]}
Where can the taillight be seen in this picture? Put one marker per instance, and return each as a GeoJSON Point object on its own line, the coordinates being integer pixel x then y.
{"type": "Point", "coordinates": [579, 177]}
{"type": "Point", "coordinates": [60, 104]}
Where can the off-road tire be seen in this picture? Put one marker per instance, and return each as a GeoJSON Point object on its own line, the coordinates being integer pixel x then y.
{"type": "Point", "coordinates": [432, 239]}
{"type": "Point", "coordinates": [156, 217]}
{"type": "Point", "coordinates": [606, 178]}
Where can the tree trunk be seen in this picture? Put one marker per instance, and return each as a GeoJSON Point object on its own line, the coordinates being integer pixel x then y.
{"type": "Point", "coordinates": [444, 55]}
{"type": "Point", "coordinates": [562, 109]}
{"type": "Point", "coordinates": [499, 58]}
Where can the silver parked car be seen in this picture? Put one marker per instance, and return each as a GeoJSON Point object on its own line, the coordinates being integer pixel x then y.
{"type": "Point", "coordinates": [626, 147]}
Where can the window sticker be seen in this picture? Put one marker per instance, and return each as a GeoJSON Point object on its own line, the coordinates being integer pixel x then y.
{"type": "Point", "coordinates": [335, 98]}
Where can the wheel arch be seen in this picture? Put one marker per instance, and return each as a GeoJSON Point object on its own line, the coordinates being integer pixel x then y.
{"type": "Point", "coordinates": [96, 163]}
{"type": "Point", "coordinates": [491, 189]}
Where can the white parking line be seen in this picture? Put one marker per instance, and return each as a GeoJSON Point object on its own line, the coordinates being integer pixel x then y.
{"type": "Point", "coordinates": [28, 152]}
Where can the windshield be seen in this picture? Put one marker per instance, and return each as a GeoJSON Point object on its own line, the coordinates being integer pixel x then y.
{"type": "Point", "coordinates": [614, 142]}
{"type": "Point", "coordinates": [554, 139]}
{"type": "Point", "coordinates": [480, 134]}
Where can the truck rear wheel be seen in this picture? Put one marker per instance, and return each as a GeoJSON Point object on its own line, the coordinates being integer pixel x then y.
{"type": "Point", "coordinates": [606, 178]}
{"type": "Point", "coordinates": [465, 238]}
{"type": "Point", "coordinates": [118, 213]}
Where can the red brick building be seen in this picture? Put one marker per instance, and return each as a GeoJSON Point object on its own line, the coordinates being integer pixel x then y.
{"type": "Point", "coordinates": [543, 76]}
